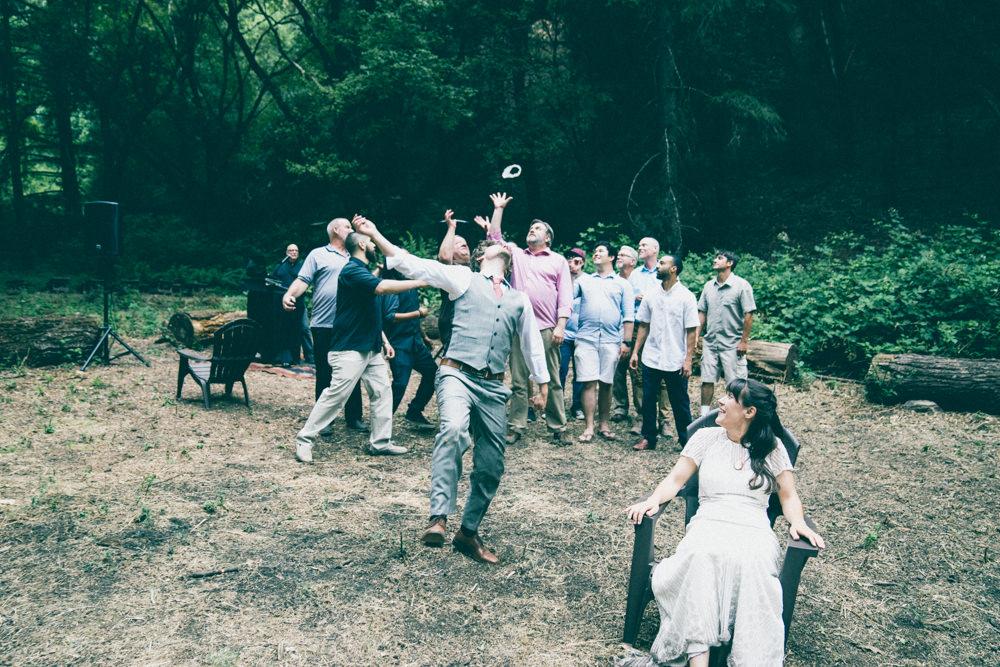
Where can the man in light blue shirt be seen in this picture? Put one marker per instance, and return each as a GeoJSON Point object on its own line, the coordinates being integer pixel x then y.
{"type": "Point", "coordinates": [640, 271]}
{"type": "Point", "coordinates": [607, 309]}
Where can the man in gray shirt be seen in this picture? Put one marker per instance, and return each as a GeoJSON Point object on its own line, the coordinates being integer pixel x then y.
{"type": "Point", "coordinates": [321, 271]}
{"type": "Point", "coordinates": [725, 310]}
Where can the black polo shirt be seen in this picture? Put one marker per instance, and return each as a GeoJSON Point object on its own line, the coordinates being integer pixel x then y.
{"type": "Point", "coordinates": [358, 324]}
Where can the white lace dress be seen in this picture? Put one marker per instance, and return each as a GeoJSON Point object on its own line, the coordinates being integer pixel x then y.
{"type": "Point", "coordinates": [722, 582]}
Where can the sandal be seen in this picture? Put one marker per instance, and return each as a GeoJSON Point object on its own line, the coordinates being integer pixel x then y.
{"type": "Point", "coordinates": [585, 437]}
{"type": "Point", "coordinates": [607, 434]}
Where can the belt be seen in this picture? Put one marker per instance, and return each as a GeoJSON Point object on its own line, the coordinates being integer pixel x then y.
{"type": "Point", "coordinates": [483, 374]}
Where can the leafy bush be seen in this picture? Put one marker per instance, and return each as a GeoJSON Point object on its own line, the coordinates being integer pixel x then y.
{"type": "Point", "coordinates": [898, 290]}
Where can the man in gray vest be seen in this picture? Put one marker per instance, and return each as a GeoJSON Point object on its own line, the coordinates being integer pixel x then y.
{"type": "Point", "coordinates": [470, 389]}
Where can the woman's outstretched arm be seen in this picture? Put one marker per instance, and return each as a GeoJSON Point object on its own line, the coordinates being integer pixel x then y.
{"type": "Point", "coordinates": [791, 507]}
{"type": "Point", "coordinates": [666, 490]}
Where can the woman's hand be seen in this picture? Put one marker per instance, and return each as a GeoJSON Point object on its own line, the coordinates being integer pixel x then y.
{"type": "Point", "coordinates": [800, 531]}
{"type": "Point", "coordinates": [647, 507]}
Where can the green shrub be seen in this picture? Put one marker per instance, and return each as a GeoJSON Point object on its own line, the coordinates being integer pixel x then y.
{"type": "Point", "coordinates": [896, 290]}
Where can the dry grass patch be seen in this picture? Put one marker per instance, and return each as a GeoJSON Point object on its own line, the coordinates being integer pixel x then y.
{"type": "Point", "coordinates": [115, 495]}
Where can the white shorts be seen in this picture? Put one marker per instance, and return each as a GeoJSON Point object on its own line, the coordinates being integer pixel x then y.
{"type": "Point", "coordinates": [717, 364]}
{"type": "Point", "coordinates": [593, 361]}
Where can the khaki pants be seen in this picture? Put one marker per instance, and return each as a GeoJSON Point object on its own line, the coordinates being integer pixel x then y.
{"type": "Point", "coordinates": [347, 368]}
{"type": "Point", "coordinates": [555, 408]}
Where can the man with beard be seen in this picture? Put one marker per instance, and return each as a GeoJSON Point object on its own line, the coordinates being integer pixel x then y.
{"type": "Point", "coordinates": [356, 351]}
{"type": "Point", "coordinates": [543, 275]}
{"type": "Point", "coordinates": [668, 334]}
{"type": "Point", "coordinates": [321, 271]}
{"type": "Point", "coordinates": [470, 390]}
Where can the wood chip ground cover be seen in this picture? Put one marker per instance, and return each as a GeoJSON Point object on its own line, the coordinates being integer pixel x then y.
{"type": "Point", "coordinates": [136, 529]}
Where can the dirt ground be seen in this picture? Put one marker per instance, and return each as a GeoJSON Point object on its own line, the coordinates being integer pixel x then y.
{"type": "Point", "coordinates": [114, 496]}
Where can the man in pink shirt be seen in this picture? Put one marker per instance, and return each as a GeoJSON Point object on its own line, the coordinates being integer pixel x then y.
{"type": "Point", "coordinates": [544, 276]}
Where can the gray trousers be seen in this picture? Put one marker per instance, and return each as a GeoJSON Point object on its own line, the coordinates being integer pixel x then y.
{"type": "Point", "coordinates": [468, 404]}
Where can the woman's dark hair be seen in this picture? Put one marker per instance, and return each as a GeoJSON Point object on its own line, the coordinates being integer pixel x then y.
{"type": "Point", "coordinates": [764, 428]}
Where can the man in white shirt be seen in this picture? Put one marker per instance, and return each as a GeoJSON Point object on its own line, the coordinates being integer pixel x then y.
{"type": "Point", "coordinates": [668, 334]}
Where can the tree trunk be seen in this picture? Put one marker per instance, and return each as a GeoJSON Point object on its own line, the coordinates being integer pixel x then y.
{"type": "Point", "coordinates": [12, 120]}
{"type": "Point", "coordinates": [61, 110]}
{"type": "Point", "coordinates": [668, 94]}
{"type": "Point", "coordinates": [960, 384]}
{"type": "Point", "coordinates": [45, 341]}
{"type": "Point", "coordinates": [197, 328]}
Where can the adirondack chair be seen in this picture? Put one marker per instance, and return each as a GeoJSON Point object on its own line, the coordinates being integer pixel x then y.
{"type": "Point", "coordinates": [234, 346]}
{"type": "Point", "coordinates": [640, 591]}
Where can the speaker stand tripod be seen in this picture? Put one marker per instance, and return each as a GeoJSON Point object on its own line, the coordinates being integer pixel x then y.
{"type": "Point", "coordinates": [109, 336]}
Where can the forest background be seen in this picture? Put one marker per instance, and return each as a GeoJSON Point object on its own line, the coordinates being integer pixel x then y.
{"type": "Point", "coordinates": [848, 149]}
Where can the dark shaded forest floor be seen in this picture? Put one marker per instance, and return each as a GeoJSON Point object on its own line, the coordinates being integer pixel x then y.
{"type": "Point", "coordinates": [112, 494]}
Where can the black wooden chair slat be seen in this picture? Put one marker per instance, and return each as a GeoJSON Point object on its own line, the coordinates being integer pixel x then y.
{"type": "Point", "coordinates": [234, 347]}
{"type": "Point", "coordinates": [640, 592]}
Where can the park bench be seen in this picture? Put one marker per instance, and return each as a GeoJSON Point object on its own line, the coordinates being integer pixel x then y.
{"type": "Point", "coordinates": [640, 591]}
{"type": "Point", "coordinates": [234, 346]}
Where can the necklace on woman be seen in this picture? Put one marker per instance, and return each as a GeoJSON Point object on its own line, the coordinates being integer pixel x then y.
{"type": "Point", "coordinates": [740, 460]}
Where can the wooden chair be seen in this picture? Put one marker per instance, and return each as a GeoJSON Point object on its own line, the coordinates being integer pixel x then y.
{"type": "Point", "coordinates": [234, 346]}
{"type": "Point", "coordinates": [640, 591]}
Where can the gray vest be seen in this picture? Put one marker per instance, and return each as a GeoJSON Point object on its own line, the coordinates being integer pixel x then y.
{"type": "Point", "coordinates": [482, 330]}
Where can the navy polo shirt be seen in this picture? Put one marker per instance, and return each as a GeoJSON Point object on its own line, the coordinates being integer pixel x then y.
{"type": "Point", "coordinates": [358, 325]}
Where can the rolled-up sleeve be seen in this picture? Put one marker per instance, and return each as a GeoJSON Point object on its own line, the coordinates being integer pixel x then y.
{"type": "Point", "coordinates": [531, 345]}
{"type": "Point", "coordinates": [564, 291]}
{"type": "Point", "coordinates": [453, 279]}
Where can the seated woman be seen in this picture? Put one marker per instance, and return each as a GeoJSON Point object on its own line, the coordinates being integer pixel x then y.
{"type": "Point", "coordinates": [722, 583]}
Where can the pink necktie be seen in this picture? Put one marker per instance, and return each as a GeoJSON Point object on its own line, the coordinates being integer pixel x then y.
{"type": "Point", "coordinates": [496, 287]}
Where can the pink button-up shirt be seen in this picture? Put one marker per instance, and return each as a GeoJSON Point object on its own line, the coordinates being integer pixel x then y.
{"type": "Point", "coordinates": [544, 277]}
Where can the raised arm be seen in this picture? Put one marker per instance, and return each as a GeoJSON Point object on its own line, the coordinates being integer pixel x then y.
{"type": "Point", "coordinates": [665, 491]}
{"type": "Point", "coordinates": [500, 201]}
{"type": "Point", "coordinates": [446, 251]}
{"type": "Point", "coordinates": [452, 279]}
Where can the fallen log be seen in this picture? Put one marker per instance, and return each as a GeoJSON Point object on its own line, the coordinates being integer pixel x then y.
{"type": "Point", "coordinates": [775, 360]}
{"type": "Point", "coordinates": [197, 327]}
{"type": "Point", "coordinates": [957, 384]}
{"type": "Point", "coordinates": [766, 359]}
{"type": "Point", "coordinates": [46, 341]}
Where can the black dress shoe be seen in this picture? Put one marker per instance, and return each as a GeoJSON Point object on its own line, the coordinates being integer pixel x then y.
{"type": "Point", "coordinates": [357, 425]}
{"type": "Point", "coordinates": [417, 418]}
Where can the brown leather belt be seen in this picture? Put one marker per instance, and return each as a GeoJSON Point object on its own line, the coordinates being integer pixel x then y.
{"type": "Point", "coordinates": [469, 370]}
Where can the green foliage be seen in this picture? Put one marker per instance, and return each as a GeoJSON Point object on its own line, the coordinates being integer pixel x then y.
{"type": "Point", "coordinates": [848, 298]}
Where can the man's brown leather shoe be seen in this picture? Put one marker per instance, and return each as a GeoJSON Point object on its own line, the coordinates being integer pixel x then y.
{"type": "Point", "coordinates": [643, 446]}
{"type": "Point", "coordinates": [473, 547]}
{"type": "Point", "coordinates": [434, 533]}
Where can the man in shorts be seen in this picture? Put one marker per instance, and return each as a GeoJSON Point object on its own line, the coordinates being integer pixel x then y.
{"type": "Point", "coordinates": [606, 316]}
{"type": "Point", "coordinates": [725, 310]}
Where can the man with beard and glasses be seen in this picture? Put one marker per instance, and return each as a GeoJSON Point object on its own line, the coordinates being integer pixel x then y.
{"type": "Point", "coordinates": [668, 334]}
{"type": "Point", "coordinates": [356, 351]}
{"type": "Point", "coordinates": [471, 394]}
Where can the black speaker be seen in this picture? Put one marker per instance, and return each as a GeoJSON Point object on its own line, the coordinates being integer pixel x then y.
{"type": "Point", "coordinates": [104, 228]}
